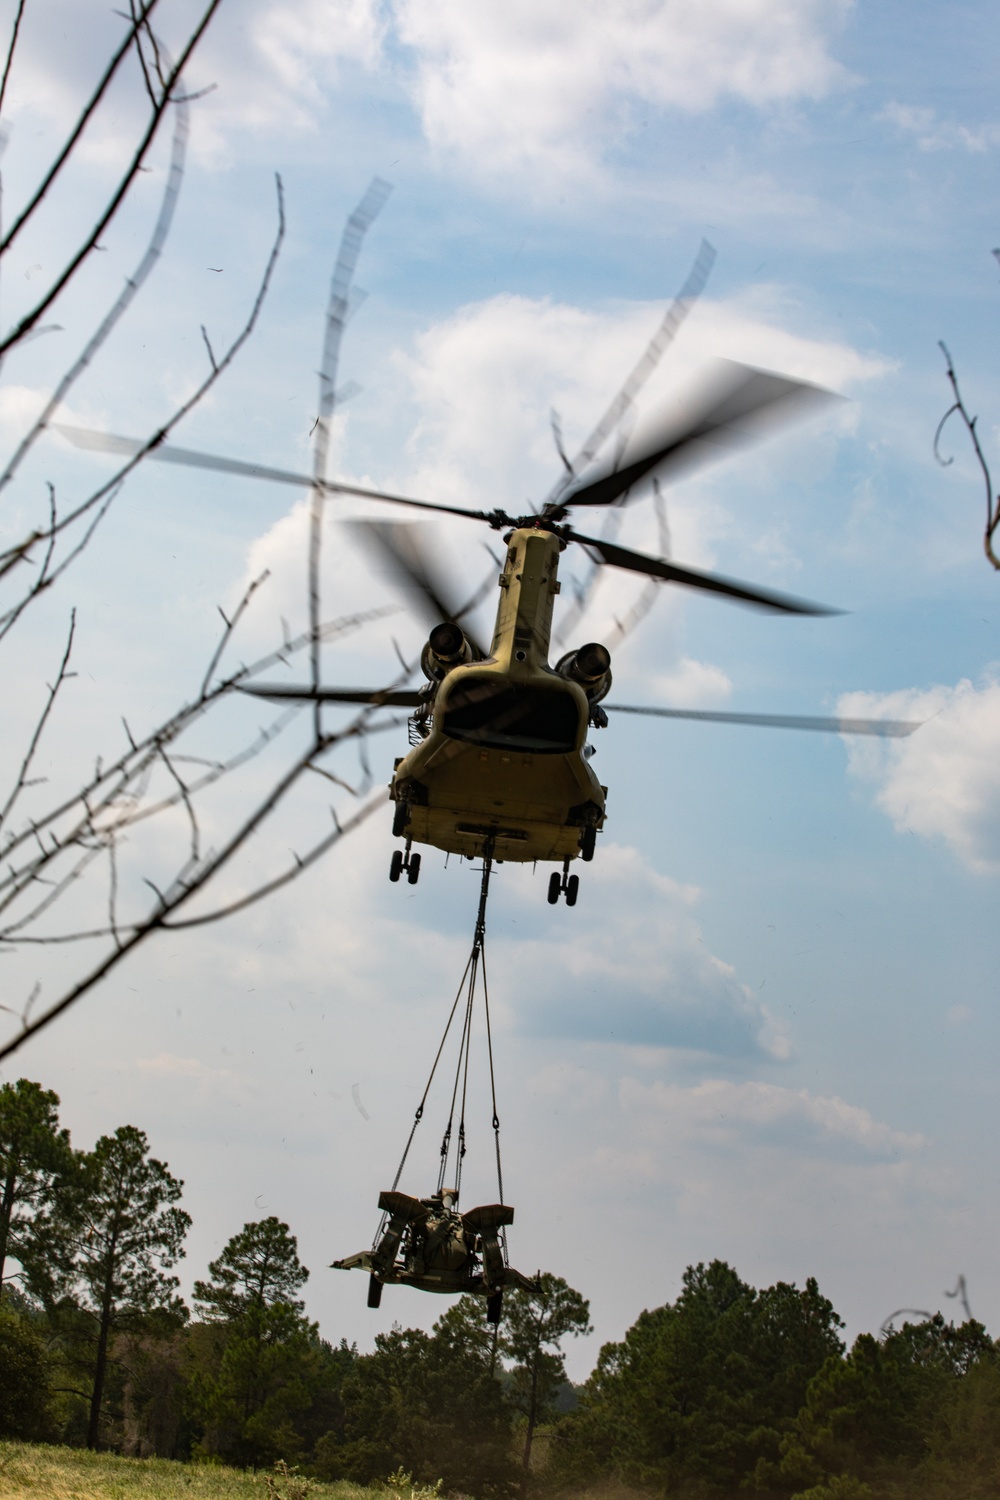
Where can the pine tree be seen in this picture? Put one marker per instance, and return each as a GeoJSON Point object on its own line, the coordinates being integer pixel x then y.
{"type": "Point", "coordinates": [267, 1356]}
{"type": "Point", "coordinates": [127, 1233]}
{"type": "Point", "coordinates": [34, 1156]}
{"type": "Point", "coordinates": [534, 1325]}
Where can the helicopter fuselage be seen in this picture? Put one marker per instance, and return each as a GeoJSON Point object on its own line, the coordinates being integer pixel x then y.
{"type": "Point", "coordinates": [503, 763]}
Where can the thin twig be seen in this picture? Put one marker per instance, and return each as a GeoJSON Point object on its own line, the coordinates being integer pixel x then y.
{"type": "Point", "coordinates": [21, 777]}
{"type": "Point", "coordinates": [992, 506]}
{"type": "Point", "coordinates": [230, 627]}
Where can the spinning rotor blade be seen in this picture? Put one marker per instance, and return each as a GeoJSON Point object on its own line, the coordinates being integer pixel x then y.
{"type": "Point", "coordinates": [734, 409]}
{"type": "Point", "coordinates": [715, 583]}
{"type": "Point", "coordinates": [401, 550]}
{"type": "Point", "coordinates": [893, 729]}
{"type": "Point", "coordinates": [166, 453]}
{"type": "Point", "coordinates": [379, 698]}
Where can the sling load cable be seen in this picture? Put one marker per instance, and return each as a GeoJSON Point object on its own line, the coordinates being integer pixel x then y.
{"type": "Point", "coordinates": [467, 985]}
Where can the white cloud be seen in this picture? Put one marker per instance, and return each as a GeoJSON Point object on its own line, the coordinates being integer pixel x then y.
{"type": "Point", "coordinates": [729, 1114]}
{"type": "Point", "coordinates": [274, 64]}
{"type": "Point", "coordinates": [933, 134]}
{"type": "Point", "coordinates": [507, 82]}
{"type": "Point", "coordinates": [691, 684]}
{"type": "Point", "coordinates": [640, 972]}
{"type": "Point", "coordinates": [942, 782]}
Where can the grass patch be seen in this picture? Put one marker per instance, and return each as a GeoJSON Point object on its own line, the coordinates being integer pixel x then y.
{"type": "Point", "coordinates": [36, 1470]}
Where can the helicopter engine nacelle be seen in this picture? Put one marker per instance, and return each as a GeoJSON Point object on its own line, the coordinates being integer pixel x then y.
{"type": "Point", "coordinates": [447, 647]}
{"type": "Point", "coordinates": [590, 666]}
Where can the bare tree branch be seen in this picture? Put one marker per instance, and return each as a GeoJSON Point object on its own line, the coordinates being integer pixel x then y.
{"type": "Point", "coordinates": [10, 50]}
{"type": "Point", "coordinates": [992, 505]}
{"type": "Point", "coordinates": [114, 203]}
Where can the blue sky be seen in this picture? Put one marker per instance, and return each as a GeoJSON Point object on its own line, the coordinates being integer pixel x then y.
{"type": "Point", "coordinates": [768, 1030]}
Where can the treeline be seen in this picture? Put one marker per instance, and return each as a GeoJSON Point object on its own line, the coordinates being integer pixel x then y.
{"type": "Point", "coordinates": [729, 1390]}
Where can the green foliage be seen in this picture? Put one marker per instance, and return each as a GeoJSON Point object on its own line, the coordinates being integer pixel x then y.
{"type": "Point", "coordinates": [875, 1415]}
{"type": "Point", "coordinates": [266, 1363]}
{"type": "Point", "coordinates": [25, 1398]}
{"type": "Point", "coordinates": [34, 1156]}
{"type": "Point", "coordinates": [401, 1484]}
{"type": "Point", "coordinates": [286, 1483]}
{"type": "Point", "coordinates": [426, 1404]}
{"type": "Point", "coordinates": [700, 1392]}
{"type": "Point", "coordinates": [260, 1266]}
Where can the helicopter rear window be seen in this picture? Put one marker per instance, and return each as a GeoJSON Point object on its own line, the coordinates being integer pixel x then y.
{"type": "Point", "coordinates": [505, 716]}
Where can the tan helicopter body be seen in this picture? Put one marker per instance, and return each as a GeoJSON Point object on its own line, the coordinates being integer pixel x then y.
{"type": "Point", "coordinates": [504, 759]}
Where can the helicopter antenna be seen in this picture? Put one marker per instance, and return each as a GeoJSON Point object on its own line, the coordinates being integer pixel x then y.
{"type": "Point", "coordinates": [653, 353]}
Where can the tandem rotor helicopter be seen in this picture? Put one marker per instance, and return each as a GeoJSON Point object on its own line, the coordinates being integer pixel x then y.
{"type": "Point", "coordinates": [500, 760]}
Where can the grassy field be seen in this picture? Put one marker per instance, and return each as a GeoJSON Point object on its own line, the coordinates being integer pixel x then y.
{"type": "Point", "coordinates": [32, 1469]}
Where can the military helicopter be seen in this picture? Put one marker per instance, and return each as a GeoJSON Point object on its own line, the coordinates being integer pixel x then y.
{"type": "Point", "coordinates": [499, 763]}
{"type": "Point", "coordinates": [500, 759]}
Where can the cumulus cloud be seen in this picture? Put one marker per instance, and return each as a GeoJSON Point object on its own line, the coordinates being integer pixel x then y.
{"type": "Point", "coordinates": [933, 134]}
{"type": "Point", "coordinates": [513, 81]}
{"type": "Point", "coordinates": [731, 1114]}
{"type": "Point", "coordinates": [275, 64]}
{"type": "Point", "coordinates": [943, 782]}
{"type": "Point", "coordinates": [642, 975]}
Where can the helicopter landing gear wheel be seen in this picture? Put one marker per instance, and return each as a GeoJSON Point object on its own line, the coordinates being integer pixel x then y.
{"type": "Point", "coordinates": [374, 1291]}
{"type": "Point", "coordinates": [494, 1307]}
{"type": "Point", "coordinates": [400, 818]}
{"type": "Point", "coordinates": [404, 861]}
{"type": "Point", "coordinates": [588, 842]}
{"type": "Point", "coordinates": [563, 884]}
